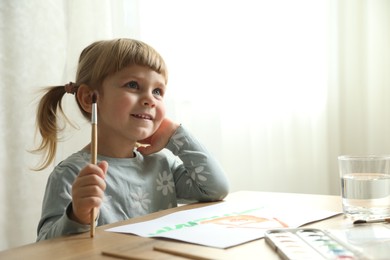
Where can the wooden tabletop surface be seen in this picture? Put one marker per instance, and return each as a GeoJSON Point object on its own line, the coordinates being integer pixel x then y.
{"type": "Point", "coordinates": [128, 246]}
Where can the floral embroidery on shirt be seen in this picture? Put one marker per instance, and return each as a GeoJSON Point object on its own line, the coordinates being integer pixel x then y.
{"type": "Point", "coordinates": [178, 140]}
{"type": "Point", "coordinates": [165, 183]}
{"type": "Point", "coordinates": [198, 171]}
{"type": "Point", "coordinates": [140, 200]}
{"type": "Point", "coordinates": [197, 175]}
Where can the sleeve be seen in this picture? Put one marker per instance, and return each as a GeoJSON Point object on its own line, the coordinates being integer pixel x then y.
{"type": "Point", "coordinates": [57, 203]}
{"type": "Point", "coordinates": [198, 176]}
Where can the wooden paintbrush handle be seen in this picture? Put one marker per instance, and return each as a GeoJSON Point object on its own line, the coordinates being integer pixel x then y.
{"type": "Point", "coordinates": [93, 217]}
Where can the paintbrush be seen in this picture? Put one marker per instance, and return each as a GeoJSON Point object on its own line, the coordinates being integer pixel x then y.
{"type": "Point", "coordinates": [93, 152]}
{"type": "Point", "coordinates": [360, 221]}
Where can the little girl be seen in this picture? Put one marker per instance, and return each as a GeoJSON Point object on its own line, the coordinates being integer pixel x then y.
{"type": "Point", "coordinates": [146, 162]}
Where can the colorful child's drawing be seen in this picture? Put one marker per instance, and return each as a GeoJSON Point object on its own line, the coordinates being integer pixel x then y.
{"type": "Point", "coordinates": [246, 221]}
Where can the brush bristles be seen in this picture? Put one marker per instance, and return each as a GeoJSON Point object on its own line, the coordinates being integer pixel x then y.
{"type": "Point", "coordinates": [360, 221]}
{"type": "Point", "coordinates": [94, 98]}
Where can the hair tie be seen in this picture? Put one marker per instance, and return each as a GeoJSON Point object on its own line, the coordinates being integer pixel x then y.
{"type": "Point", "coordinates": [70, 88]}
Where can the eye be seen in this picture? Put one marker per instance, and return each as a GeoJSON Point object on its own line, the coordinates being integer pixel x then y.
{"type": "Point", "coordinates": [158, 92]}
{"type": "Point", "coordinates": [132, 85]}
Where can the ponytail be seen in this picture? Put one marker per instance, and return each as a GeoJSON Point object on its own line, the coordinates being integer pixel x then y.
{"type": "Point", "coordinates": [49, 109]}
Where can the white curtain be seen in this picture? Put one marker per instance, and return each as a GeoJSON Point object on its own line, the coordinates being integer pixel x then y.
{"type": "Point", "coordinates": [276, 89]}
{"type": "Point", "coordinates": [40, 42]}
{"type": "Point", "coordinates": [249, 77]}
{"type": "Point", "coordinates": [358, 109]}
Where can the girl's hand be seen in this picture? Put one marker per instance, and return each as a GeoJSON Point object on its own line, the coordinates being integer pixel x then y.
{"type": "Point", "coordinates": [87, 191]}
{"type": "Point", "coordinates": [160, 138]}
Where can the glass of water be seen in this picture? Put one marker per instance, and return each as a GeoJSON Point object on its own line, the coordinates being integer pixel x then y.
{"type": "Point", "coordinates": [365, 186]}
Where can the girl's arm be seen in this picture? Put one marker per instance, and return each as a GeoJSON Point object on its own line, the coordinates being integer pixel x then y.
{"type": "Point", "coordinates": [63, 214]}
{"type": "Point", "coordinates": [198, 176]}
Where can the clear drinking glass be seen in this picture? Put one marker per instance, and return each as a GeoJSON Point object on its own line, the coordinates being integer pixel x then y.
{"type": "Point", "coordinates": [365, 186]}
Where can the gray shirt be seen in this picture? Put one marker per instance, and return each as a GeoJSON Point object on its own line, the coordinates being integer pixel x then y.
{"type": "Point", "coordinates": [185, 170]}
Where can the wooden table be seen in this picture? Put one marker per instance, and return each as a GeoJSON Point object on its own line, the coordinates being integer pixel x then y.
{"type": "Point", "coordinates": [81, 246]}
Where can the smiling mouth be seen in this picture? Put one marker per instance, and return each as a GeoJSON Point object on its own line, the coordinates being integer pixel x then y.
{"type": "Point", "coordinates": [142, 116]}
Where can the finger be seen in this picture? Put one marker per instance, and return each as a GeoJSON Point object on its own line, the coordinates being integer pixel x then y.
{"type": "Point", "coordinates": [85, 181]}
{"type": "Point", "coordinates": [146, 150]}
{"type": "Point", "coordinates": [81, 208]}
{"type": "Point", "coordinates": [87, 194]}
{"type": "Point", "coordinates": [90, 180]}
{"type": "Point", "coordinates": [92, 193]}
{"type": "Point", "coordinates": [92, 169]}
{"type": "Point", "coordinates": [145, 141]}
{"type": "Point", "coordinates": [104, 166]}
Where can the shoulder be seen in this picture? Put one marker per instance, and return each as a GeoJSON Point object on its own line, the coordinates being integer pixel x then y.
{"type": "Point", "coordinates": [71, 166]}
{"type": "Point", "coordinates": [76, 160]}
{"type": "Point", "coordinates": [164, 158]}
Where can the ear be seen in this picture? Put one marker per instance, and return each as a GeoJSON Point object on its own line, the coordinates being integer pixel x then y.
{"type": "Point", "coordinates": [84, 96]}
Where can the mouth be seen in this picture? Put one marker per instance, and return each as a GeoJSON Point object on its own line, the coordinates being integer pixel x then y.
{"type": "Point", "coordinates": [142, 116]}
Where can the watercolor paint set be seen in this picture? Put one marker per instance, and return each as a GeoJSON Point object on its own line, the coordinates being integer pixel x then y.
{"type": "Point", "coordinates": [309, 243]}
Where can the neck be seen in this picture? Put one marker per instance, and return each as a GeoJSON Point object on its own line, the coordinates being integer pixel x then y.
{"type": "Point", "coordinates": [114, 152]}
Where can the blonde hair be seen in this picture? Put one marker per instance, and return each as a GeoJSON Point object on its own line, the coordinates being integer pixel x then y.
{"type": "Point", "coordinates": [96, 62]}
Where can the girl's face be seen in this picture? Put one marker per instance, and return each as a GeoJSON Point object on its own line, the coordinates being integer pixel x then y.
{"type": "Point", "coordinates": [131, 106]}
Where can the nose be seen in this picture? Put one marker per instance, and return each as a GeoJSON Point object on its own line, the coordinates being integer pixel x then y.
{"type": "Point", "coordinates": [148, 100]}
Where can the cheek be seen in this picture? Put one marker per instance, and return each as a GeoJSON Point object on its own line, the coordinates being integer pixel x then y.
{"type": "Point", "coordinates": [117, 107]}
{"type": "Point", "coordinates": [161, 111]}
{"type": "Point", "coordinates": [123, 104]}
